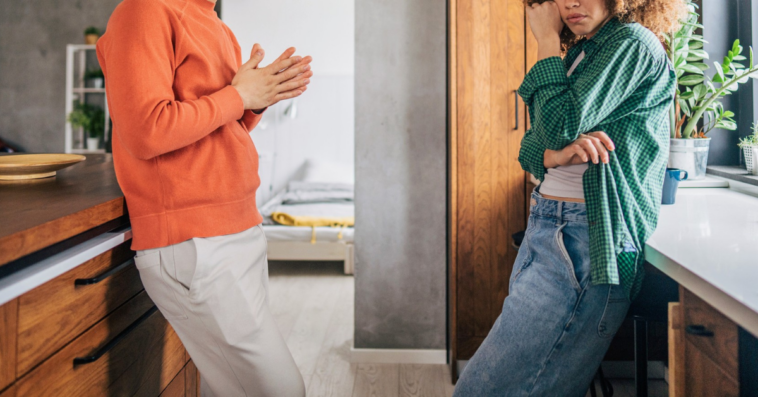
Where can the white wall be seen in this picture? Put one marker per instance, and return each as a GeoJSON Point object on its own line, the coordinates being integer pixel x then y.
{"type": "Point", "coordinates": [324, 128]}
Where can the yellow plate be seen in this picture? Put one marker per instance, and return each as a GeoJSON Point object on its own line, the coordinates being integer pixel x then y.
{"type": "Point", "coordinates": [35, 166]}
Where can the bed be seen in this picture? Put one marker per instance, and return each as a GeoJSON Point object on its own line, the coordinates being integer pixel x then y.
{"type": "Point", "coordinates": [330, 203]}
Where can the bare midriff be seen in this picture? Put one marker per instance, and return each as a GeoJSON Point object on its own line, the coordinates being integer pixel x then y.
{"type": "Point", "coordinates": [572, 200]}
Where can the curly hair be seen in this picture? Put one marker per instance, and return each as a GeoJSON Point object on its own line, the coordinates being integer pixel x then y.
{"type": "Point", "coordinates": [659, 16]}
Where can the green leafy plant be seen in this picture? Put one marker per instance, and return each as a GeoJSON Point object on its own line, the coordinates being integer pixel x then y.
{"type": "Point", "coordinates": [94, 74]}
{"type": "Point", "coordinates": [91, 30]}
{"type": "Point", "coordinates": [702, 95]}
{"type": "Point", "coordinates": [750, 140]}
{"type": "Point", "coordinates": [88, 117]}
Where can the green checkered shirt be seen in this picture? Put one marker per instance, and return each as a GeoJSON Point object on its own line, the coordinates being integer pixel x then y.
{"type": "Point", "coordinates": [624, 87]}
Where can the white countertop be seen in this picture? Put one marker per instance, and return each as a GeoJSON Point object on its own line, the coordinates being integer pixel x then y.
{"type": "Point", "coordinates": [708, 243]}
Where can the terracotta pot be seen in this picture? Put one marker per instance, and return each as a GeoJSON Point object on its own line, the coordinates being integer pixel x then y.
{"type": "Point", "coordinates": [91, 38]}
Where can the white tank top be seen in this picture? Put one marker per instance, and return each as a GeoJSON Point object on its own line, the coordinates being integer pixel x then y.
{"type": "Point", "coordinates": [566, 180]}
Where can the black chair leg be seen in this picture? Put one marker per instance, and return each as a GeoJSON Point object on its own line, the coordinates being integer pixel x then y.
{"type": "Point", "coordinates": [640, 357]}
{"type": "Point", "coordinates": [605, 384]}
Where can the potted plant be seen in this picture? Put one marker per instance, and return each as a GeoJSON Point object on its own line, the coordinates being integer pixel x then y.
{"type": "Point", "coordinates": [747, 144]}
{"type": "Point", "coordinates": [702, 95]}
{"type": "Point", "coordinates": [95, 78]}
{"type": "Point", "coordinates": [91, 119]}
{"type": "Point", "coordinates": [91, 34]}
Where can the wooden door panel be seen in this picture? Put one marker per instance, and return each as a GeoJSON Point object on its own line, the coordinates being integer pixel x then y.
{"type": "Point", "coordinates": [488, 200]}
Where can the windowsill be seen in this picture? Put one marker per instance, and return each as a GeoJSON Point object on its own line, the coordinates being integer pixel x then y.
{"type": "Point", "coordinates": [735, 173]}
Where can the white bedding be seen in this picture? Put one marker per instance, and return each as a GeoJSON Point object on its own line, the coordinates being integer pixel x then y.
{"type": "Point", "coordinates": [303, 233]}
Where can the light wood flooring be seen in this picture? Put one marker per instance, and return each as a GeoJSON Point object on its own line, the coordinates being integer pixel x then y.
{"type": "Point", "coordinates": [313, 307]}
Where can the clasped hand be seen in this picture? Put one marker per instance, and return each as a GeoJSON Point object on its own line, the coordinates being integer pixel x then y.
{"type": "Point", "coordinates": [593, 146]}
{"type": "Point", "coordinates": [287, 77]}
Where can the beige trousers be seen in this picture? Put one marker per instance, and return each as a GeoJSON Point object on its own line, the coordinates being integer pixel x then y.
{"type": "Point", "coordinates": [214, 292]}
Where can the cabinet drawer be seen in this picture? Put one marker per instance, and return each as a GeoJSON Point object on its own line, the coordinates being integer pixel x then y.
{"type": "Point", "coordinates": [10, 392]}
{"type": "Point", "coordinates": [132, 352]}
{"type": "Point", "coordinates": [704, 378]}
{"type": "Point", "coordinates": [186, 383]}
{"type": "Point", "coordinates": [712, 333]}
{"type": "Point", "coordinates": [177, 386]}
{"type": "Point", "coordinates": [53, 314]}
{"type": "Point", "coordinates": [8, 317]}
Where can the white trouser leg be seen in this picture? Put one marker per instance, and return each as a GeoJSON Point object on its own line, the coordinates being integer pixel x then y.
{"type": "Point", "coordinates": [214, 292]}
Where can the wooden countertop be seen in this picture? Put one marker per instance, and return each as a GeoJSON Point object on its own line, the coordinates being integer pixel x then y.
{"type": "Point", "coordinates": [37, 214]}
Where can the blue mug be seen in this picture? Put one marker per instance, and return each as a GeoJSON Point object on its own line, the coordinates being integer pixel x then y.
{"type": "Point", "coordinates": [670, 183]}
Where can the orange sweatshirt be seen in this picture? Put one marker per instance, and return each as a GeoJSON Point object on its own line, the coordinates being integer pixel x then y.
{"type": "Point", "coordinates": [181, 146]}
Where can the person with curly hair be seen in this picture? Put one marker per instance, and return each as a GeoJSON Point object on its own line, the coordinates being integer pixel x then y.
{"type": "Point", "coordinates": [599, 100]}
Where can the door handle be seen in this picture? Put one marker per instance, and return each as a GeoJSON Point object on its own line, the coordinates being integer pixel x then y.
{"type": "Point", "coordinates": [698, 330]}
{"type": "Point", "coordinates": [97, 279]}
{"type": "Point", "coordinates": [515, 99]}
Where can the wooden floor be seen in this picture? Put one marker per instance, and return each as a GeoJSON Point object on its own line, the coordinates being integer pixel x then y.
{"type": "Point", "coordinates": [313, 307]}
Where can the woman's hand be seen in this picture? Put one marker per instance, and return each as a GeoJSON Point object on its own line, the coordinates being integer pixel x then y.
{"type": "Point", "coordinates": [287, 77]}
{"type": "Point", "coordinates": [593, 146]}
{"type": "Point", "coordinates": [546, 24]}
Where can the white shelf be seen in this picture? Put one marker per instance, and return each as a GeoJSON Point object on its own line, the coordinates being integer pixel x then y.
{"type": "Point", "coordinates": [78, 61]}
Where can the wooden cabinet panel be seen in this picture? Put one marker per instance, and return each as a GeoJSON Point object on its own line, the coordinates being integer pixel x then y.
{"type": "Point", "coordinates": [703, 377]}
{"type": "Point", "coordinates": [145, 355]}
{"type": "Point", "coordinates": [192, 380]}
{"type": "Point", "coordinates": [55, 313]}
{"type": "Point", "coordinates": [177, 386]}
{"type": "Point", "coordinates": [10, 392]}
{"type": "Point", "coordinates": [185, 384]}
{"type": "Point", "coordinates": [8, 318]}
{"type": "Point", "coordinates": [488, 201]}
{"type": "Point", "coordinates": [722, 345]}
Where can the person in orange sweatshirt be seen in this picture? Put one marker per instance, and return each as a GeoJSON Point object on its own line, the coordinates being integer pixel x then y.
{"type": "Point", "coordinates": [183, 105]}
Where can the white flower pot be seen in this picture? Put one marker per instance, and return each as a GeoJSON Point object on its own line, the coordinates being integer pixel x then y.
{"type": "Point", "coordinates": [93, 143]}
{"type": "Point", "coordinates": [754, 151]}
{"type": "Point", "coordinates": [690, 155]}
{"type": "Point", "coordinates": [98, 82]}
{"type": "Point", "coordinates": [749, 158]}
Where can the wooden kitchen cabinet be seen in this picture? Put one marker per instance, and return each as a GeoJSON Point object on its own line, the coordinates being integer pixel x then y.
{"type": "Point", "coordinates": [705, 350]}
{"type": "Point", "coordinates": [488, 197]}
{"type": "Point", "coordinates": [8, 316]}
{"type": "Point", "coordinates": [74, 317]}
{"type": "Point", "coordinates": [53, 314]}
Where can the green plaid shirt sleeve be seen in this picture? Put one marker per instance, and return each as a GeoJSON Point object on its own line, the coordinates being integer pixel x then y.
{"type": "Point", "coordinates": [563, 107]}
{"type": "Point", "coordinates": [624, 87]}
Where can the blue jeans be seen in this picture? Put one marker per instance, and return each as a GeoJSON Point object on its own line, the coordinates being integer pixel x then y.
{"type": "Point", "coordinates": [555, 326]}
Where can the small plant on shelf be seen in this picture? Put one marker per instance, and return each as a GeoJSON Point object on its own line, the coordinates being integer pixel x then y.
{"type": "Point", "coordinates": [747, 144]}
{"type": "Point", "coordinates": [91, 34]}
{"type": "Point", "coordinates": [95, 77]}
{"type": "Point", "coordinates": [93, 74]}
{"type": "Point", "coordinates": [91, 119]}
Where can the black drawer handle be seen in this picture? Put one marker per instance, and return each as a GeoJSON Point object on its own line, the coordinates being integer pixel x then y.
{"type": "Point", "coordinates": [698, 330]}
{"type": "Point", "coordinates": [115, 341]}
{"type": "Point", "coordinates": [97, 279]}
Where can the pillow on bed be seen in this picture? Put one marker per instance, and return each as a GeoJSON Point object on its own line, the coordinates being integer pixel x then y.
{"type": "Point", "coordinates": [317, 196]}
{"type": "Point", "coordinates": [327, 171]}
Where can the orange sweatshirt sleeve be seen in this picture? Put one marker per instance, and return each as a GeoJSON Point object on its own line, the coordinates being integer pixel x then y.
{"type": "Point", "coordinates": [138, 60]}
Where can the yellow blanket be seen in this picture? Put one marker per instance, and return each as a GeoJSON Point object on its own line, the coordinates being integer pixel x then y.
{"type": "Point", "coordinates": [313, 221]}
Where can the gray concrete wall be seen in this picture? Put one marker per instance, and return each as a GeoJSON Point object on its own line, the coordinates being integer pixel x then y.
{"type": "Point", "coordinates": [401, 178]}
{"type": "Point", "coordinates": [33, 38]}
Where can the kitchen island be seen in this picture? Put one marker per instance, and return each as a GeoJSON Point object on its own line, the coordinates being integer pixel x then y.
{"type": "Point", "coordinates": [708, 243]}
{"type": "Point", "coordinates": [74, 317]}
